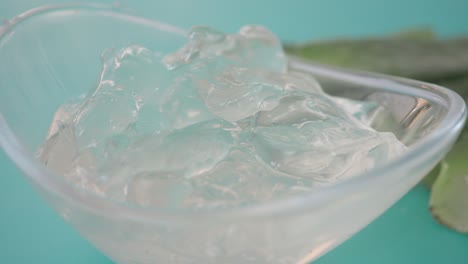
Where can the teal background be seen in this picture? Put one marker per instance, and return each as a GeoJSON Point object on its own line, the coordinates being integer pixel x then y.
{"type": "Point", "coordinates": [30, 231]}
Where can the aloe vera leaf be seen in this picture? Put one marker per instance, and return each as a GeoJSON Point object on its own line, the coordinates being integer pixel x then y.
{"type": "Point", "coordinates": [449, 196]}
{"type": "Point", "coordinates": [417, 57]}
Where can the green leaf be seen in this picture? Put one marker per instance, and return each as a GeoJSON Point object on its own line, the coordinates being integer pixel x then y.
{"type": "Point", "coordinates": [416, 57]}
{"type": "Point", "coordinates": [449, 197]}
{"type": "Point", "coordinates": [419, 34]}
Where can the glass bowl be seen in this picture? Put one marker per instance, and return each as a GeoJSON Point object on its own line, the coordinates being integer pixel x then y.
{"type": "Point", "coordinates": [51, 54]}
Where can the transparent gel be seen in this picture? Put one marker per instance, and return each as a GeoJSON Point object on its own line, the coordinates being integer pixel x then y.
{"type": "Point", "coordinates": [218, 123]}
